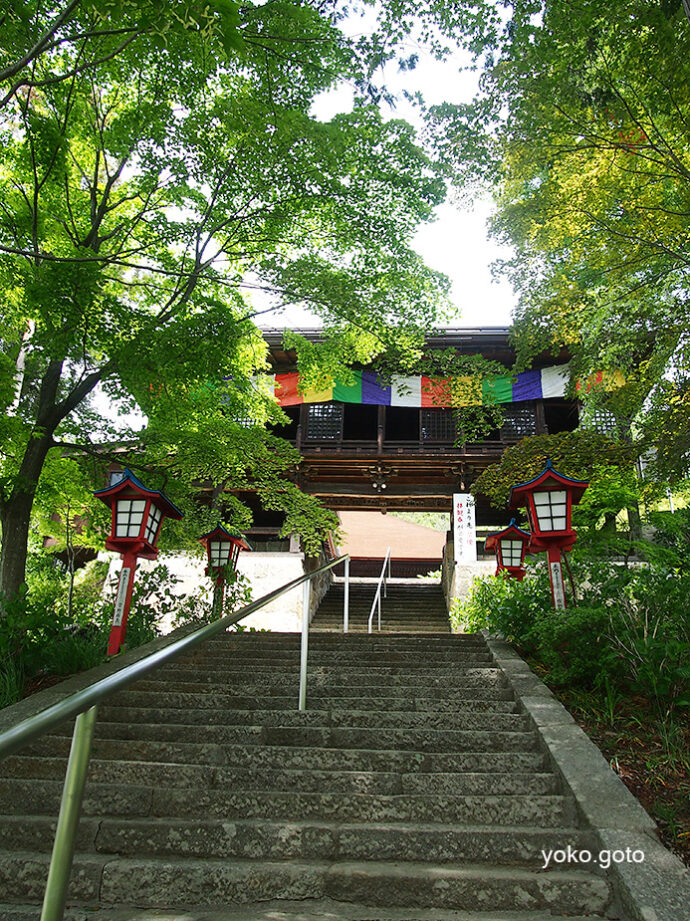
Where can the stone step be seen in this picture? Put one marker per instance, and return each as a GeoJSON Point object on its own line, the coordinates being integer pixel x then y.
{"type": "Point", "coordinates": [271, 840]}
{"type": "Point", "coordinates": [393, 677]}
{"type": "Point", "coordinates": [42, 797]}
{"type": "Point", "coordinates": [312, 910]}
{"type": "Point", "coordinates": [296, 758]}
{"type": "Point", "coordinates": [203, 702]}
{"type": "Point", "coordinates": [272, 779]}
{"type": "Point", "coordinates": [469, 641]}
{"type": "Point", "coordinates": [189, 881]}
{"type": "Point", "coordinates": [331, 658]}
{"type": "Point", "coordinates": [280, 910]}
{"type": "Point", "coordinates": [397, 719]}
{"type": "Point", "coordinates": [412, 664]}
{"type": "Point", "coordinates": [424, 740]}
{"type": "Point", "coordinates": [281, 687]}
{"type": "Point", "coordinates": [388, 628]}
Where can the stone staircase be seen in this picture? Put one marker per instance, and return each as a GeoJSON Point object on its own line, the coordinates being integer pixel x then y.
{"type": "Point", "coordinates": [409, 607]}
{"type": "Point", "coordinates": [410, 789]}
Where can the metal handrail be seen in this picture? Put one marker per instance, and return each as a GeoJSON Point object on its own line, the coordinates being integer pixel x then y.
{"type": "Point", "coordinates": [84, 704]}
{"type": "Point", "coordinates": [385, 575]}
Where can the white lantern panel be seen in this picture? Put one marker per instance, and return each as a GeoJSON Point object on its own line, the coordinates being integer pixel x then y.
{"type": "Point", "coordinates": [129, 516]}
{"type": "Point", "coordinates": [219, 552]}
{"type": "Point", "coordinates": [511, 552]}
{"type": "Point", "coordinates": [153, 524]}
{"type": "Point", "coordinates": [551, 507]}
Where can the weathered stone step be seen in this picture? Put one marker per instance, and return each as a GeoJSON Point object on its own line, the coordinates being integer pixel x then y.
{"type": "Point", "coordinates": [158, 883]}
{"type": "Point", "coordinates": [546, 811]}
{"type": "Point", "coordinates": [42, 797]}
{"type": "Point", "coordinates": [412, 627]}
{"type": "Point", "coordinates": [270, 840]}
{"type": "Point", "coordinates": [313, 910]}
{"type": "Point", "coordinates": [405, 739]}
{"type": "Point", "coordinates": [393, 677]}
{"type": "Point", "coordinates": [277, 641]}
{"type": "Point", "coordinates": [203, 702]}
{"type": "Point", "coordinates": [336, 737]}
{"type": "Point", "coordinates": [397, 719]}
{"type": "Point", "coordinates": [282, 686]}
{"type": "Point", "coordinates": [326, 759]}
{"type": "Point", "coordinates": [329, 659]}
{"type": "Point", "coordinates": [303, 779]}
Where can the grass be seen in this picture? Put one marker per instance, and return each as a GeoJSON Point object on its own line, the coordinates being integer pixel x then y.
{"type": "Point", "coordinates": [651, 756]}
{"type": "Point", "coordinates": [12, 680]}
{"type": "Point", "coordinates": [59, 658]}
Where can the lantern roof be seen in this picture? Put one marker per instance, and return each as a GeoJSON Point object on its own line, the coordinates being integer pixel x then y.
{"type": "Point", "coordinates": [221, 533]}
{"type": "Point", "coordinates": [549, 474]}
{"type": "Point", "coordinates": [511, 531]}
{"type": "Point", "coordinates": [130, 483]}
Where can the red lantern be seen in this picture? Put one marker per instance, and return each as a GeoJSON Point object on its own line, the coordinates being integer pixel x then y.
{"type": "Point", "coordinates": [510, 546]}
{"type": "Point", "coordinates": [222, 549]}
{"type": "Point", "coordinates": [549, 499]}
{"type": "Point", "coordinates": [137, 516]}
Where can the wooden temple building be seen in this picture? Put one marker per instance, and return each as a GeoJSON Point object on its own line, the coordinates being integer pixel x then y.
{"type": "Point", "coordinates": [378, 449]}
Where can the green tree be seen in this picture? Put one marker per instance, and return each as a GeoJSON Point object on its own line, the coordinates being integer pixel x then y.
{"type": "Point", "coordinates": [582, 129]}
{"type": "Point", "coordinates": [580, 454]}
{"type": "Point", "coordinates": [141, 196]}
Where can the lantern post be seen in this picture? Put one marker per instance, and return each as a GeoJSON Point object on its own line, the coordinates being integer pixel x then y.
{"type": "Point", "coordinates": [549, 498]}
{"type": "Point", "coordinates": [510, 546]}
{"type": "Point", "coordinates": [137, 516]}
{"type": "Point", "coordinates": [222, 550]}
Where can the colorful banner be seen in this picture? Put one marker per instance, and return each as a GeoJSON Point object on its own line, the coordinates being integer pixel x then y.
{"type": "Point", "coordinates": [422, 391]}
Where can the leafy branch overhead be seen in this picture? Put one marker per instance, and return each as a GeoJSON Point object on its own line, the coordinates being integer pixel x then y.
{"type": "Point", "coordinates": [581, 130]}
{"type": "Point", "coordinates": [164, 182]}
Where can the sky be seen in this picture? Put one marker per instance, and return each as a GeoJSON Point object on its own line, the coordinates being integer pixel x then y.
{"type": "Point", "coordinates": [457, 242]}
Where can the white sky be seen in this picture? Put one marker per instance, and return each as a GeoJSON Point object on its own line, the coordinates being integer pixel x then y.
{"type": "Point", "coordinates": [456, 243]}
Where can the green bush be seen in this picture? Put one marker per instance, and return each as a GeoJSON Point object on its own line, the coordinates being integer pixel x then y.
{"type": "Point", "coordinates": [503, 605]}
{"type": "Point", "coordinates": [573, 646]}
{"type": "Point", "coordinates": [629, 631]}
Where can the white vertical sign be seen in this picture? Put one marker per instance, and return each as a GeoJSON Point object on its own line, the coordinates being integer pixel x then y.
{"type": "Point", "coordinates": [121, 596]}
{"type": "Point", "coordinates": [464, 528]}
{"type": "Point", "coordinates": [557, 584]}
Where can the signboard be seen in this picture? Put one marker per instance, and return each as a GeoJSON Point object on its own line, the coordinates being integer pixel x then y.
{"type": "Point", "coordinates": [121, 597]}
{"type": "Point", "coordinates": [464, 528]}
{"type": "Point", "coordinates": [557, 586]}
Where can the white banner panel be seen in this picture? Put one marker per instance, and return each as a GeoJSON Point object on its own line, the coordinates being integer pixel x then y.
{"type": "Point", "coordinates": [406, 391]}
{"type": "Point", "coordinates": [464, 528]}
{"type": "Point", "coordinates": [554, 381]}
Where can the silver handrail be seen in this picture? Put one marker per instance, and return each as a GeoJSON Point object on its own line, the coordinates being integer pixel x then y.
{"type": "Point", "coordinates": [83, 704]}
{"type": "Point", "coordinates": [385, 575]}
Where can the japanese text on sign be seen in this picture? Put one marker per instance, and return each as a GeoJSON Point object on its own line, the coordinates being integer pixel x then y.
{"type": "Point", "coordinates": [464, 528]}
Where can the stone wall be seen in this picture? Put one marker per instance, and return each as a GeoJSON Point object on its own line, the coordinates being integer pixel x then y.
{"type": "Point", "coordinates": [456, 580]}
{"type": "Point", "coordinates": [265, 572]}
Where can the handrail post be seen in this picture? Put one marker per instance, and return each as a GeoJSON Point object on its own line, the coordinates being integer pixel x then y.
{"type": "Point", "coordinates": [306, 601]}
{"type": "Point", "coordinates": [379, 612]}
{"type": "Point", "coordinates": [68, 820]}
{"type": "Point", "coordinates": [346, 597]}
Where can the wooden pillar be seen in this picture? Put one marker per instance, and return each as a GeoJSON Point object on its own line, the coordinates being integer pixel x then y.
{"type": "Point", "coordinates": [380, 429]}
{"type": "Point", "coordinates": [301, 426]}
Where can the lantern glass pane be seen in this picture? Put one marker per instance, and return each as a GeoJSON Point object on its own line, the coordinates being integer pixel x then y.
{"type": "Point", "coordinates": [551, 507]}
{"type": "Point", "coordinates": [511, 552]}
{"type": "Point", "coordinates": [219, 552]}
{"type": "Point", "coordinates": [129, 516]}
{"type": "Point", "coordinates": [153, 524]}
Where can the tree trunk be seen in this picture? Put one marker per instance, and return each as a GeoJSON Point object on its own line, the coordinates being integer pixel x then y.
{"type": "Point", "coordinates": [16, 518]}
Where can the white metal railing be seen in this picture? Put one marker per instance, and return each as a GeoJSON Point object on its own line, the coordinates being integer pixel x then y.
{"type": "Point", "coordinates": [382, 584]}
{"type": "Point", "coordinates": [84, 705]}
